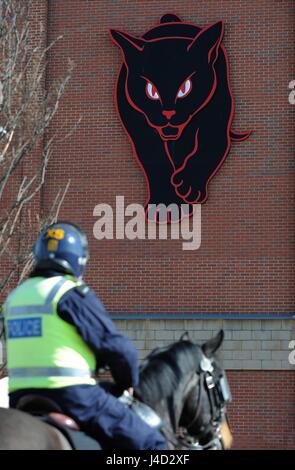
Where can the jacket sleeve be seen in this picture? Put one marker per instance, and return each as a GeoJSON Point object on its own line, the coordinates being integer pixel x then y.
{"type": "Point", "coordinates": [95, 326]}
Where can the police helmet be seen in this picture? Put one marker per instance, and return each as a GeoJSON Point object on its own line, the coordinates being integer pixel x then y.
{"type": "Point", "coordinates": [62, 247]}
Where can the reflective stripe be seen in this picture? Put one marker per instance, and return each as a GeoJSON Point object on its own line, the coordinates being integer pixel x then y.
{"type": "Point", "coordinates": [29, 372]}
{"type": "Point", "coordinates": [29, 309]}
{"type": "Point", "coordinates": [54, 290]}
{"type": "Point", "coordinates": [43, 308]}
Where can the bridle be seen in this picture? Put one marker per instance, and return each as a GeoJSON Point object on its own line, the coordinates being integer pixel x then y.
{"type": "Point", "coordinates": [219, 394]}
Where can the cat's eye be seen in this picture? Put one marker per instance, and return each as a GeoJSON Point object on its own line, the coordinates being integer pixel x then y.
{"type": "Point", "coordinates": [185, 89]}
{"type": "Point", "coordinates": [152, 91]}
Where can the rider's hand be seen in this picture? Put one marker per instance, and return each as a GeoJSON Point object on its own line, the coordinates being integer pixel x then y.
{"type": "Point", "coordinates": [130, 391]}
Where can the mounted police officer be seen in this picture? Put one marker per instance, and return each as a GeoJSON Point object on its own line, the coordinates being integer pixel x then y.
{"type": "Point", "coordinates": [58, 334]}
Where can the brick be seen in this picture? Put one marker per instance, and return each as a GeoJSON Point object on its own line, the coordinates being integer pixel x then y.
{"type": "Point", "coordinates": [251, 345]}
{"type": "Point", "coordinates": [282, 335]}
{"type": "Point", "coordinates": [261, 355]}
{"type": "Point", "coordinates": [243, 364]}
{"type": "Point", "coordinates": [176, 325]}
{"type": "Point", "coordinates": [280, 355]}
{"type": "Point", "coordinates": [164, 334]}
{"type": "Point", "coordinates": [120, 324]}
{"type": "Point", "coordinates": [148, 334]}
{"type": "Point", "coordinates": [139, 344]}
{"type": "Point", "coordinates": [227, 355]}
{"type": "Point", "coordinates": [271, 365]}
{"type": "Point", "coordinates": [241, 335]}
{"type": "Point", "coordinates": [252, 364]}
{"type": "Point", "coordinates": [199, 335]}
{"type": "Point", "coordinates": [251, 325]}
{"type": "Point", "coordinates": [232, 345]}
{"type": "Point", "coordinates": [271, 345]}
{"type": "Point", "coordinates": [271, 324]}
{"type": "Point", "coordinates": [233, 364]}
{"type": "Point", "coordinates": [213, 325]}
{"type": "Point", "coordinates": [234, 324]}
{"type": "Point", "coordinates": [154, 324]}
{"type": "Point", "coordinates": [261, 335]}
{"type": "Point", "coordinates": [228, 334]}
{"type": "Point", "coordinates": [152, 344]}
{"type": "Point", "coordinates": [190, 325]}
{"type": "Point", "coordinates": [242, 355]}
{"type": "Point", "coordinates": [288, 325]}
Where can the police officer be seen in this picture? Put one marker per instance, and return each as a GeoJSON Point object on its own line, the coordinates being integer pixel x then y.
{"type": "Point", "coordinates": [58, 334]}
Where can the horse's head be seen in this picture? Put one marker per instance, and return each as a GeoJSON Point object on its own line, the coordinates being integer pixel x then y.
{"type": "Point", "coordinates": [204, 415]}
{"type": "Point", "coordinates": [187, 386]}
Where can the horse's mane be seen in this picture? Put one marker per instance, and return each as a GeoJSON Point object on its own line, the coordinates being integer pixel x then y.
{"type": "Point", "coordinates": [162, 371]}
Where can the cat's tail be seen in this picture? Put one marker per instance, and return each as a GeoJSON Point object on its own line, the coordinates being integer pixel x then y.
{"type": "Point", "coordinates": [239, 136]}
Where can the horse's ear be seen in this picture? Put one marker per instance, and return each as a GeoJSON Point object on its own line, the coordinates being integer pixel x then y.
{"type": "Point", "coordinates": [185, 336]}
{"type": "Point", "coordinates": [211, 346]}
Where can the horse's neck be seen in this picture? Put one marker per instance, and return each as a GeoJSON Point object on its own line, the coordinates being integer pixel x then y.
{"type": "Point", "coordinates": [4, 402]}
{"type": "Point", "coordinates": [170, 409]}
{"type": "Point", "coordinates": [183, 394]}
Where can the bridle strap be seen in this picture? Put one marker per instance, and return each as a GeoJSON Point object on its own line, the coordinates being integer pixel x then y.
{"type": "Point", "coordinates": [210, 390]}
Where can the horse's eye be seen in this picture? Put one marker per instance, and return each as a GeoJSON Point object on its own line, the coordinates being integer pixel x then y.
{"type": "Point", "coordinates": [152, 91]}
{"type": "Point", "coordinates": [185, 89]}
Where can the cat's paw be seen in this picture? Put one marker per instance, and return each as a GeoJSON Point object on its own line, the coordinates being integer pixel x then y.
{"type": "Point", "coordinates": [188, 187]}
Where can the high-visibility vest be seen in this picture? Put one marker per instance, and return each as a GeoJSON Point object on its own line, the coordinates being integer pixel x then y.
{"type": "Point", "coordinates": [44, 351]}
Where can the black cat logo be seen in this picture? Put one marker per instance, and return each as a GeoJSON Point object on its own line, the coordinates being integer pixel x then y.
{"type": "Point", "coordinates": [174, 100]}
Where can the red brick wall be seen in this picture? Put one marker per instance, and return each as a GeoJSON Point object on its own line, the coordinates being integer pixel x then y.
{"type": "Point", "coordinates": [246, 260]}
{"type": "Point", "coordinates": [245, 263]}
{"type": "Point", "coordinates": [262, 413]}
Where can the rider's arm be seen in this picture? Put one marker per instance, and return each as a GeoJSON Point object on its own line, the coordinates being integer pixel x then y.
{"type": "Point", "coordinates": [88, 315]}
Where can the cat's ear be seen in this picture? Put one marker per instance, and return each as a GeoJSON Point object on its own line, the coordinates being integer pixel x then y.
{"type": "Point", "coordinates": [208, 41]}
{"type": "Point", "coordinates": [127, 43]}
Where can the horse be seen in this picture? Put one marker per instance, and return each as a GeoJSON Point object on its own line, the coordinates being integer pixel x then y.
{"type": "Point", "coordinates": [182, 384]}
{"type": "Point", "coordinates": [185, 384]}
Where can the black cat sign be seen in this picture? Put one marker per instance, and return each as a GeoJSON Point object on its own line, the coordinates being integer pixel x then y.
{"type": "Point", "coordinates": [175, 103]}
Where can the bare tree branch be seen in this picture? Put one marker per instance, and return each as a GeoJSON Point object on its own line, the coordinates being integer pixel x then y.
{"type": "Point", "coordinates": [26, 111]}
